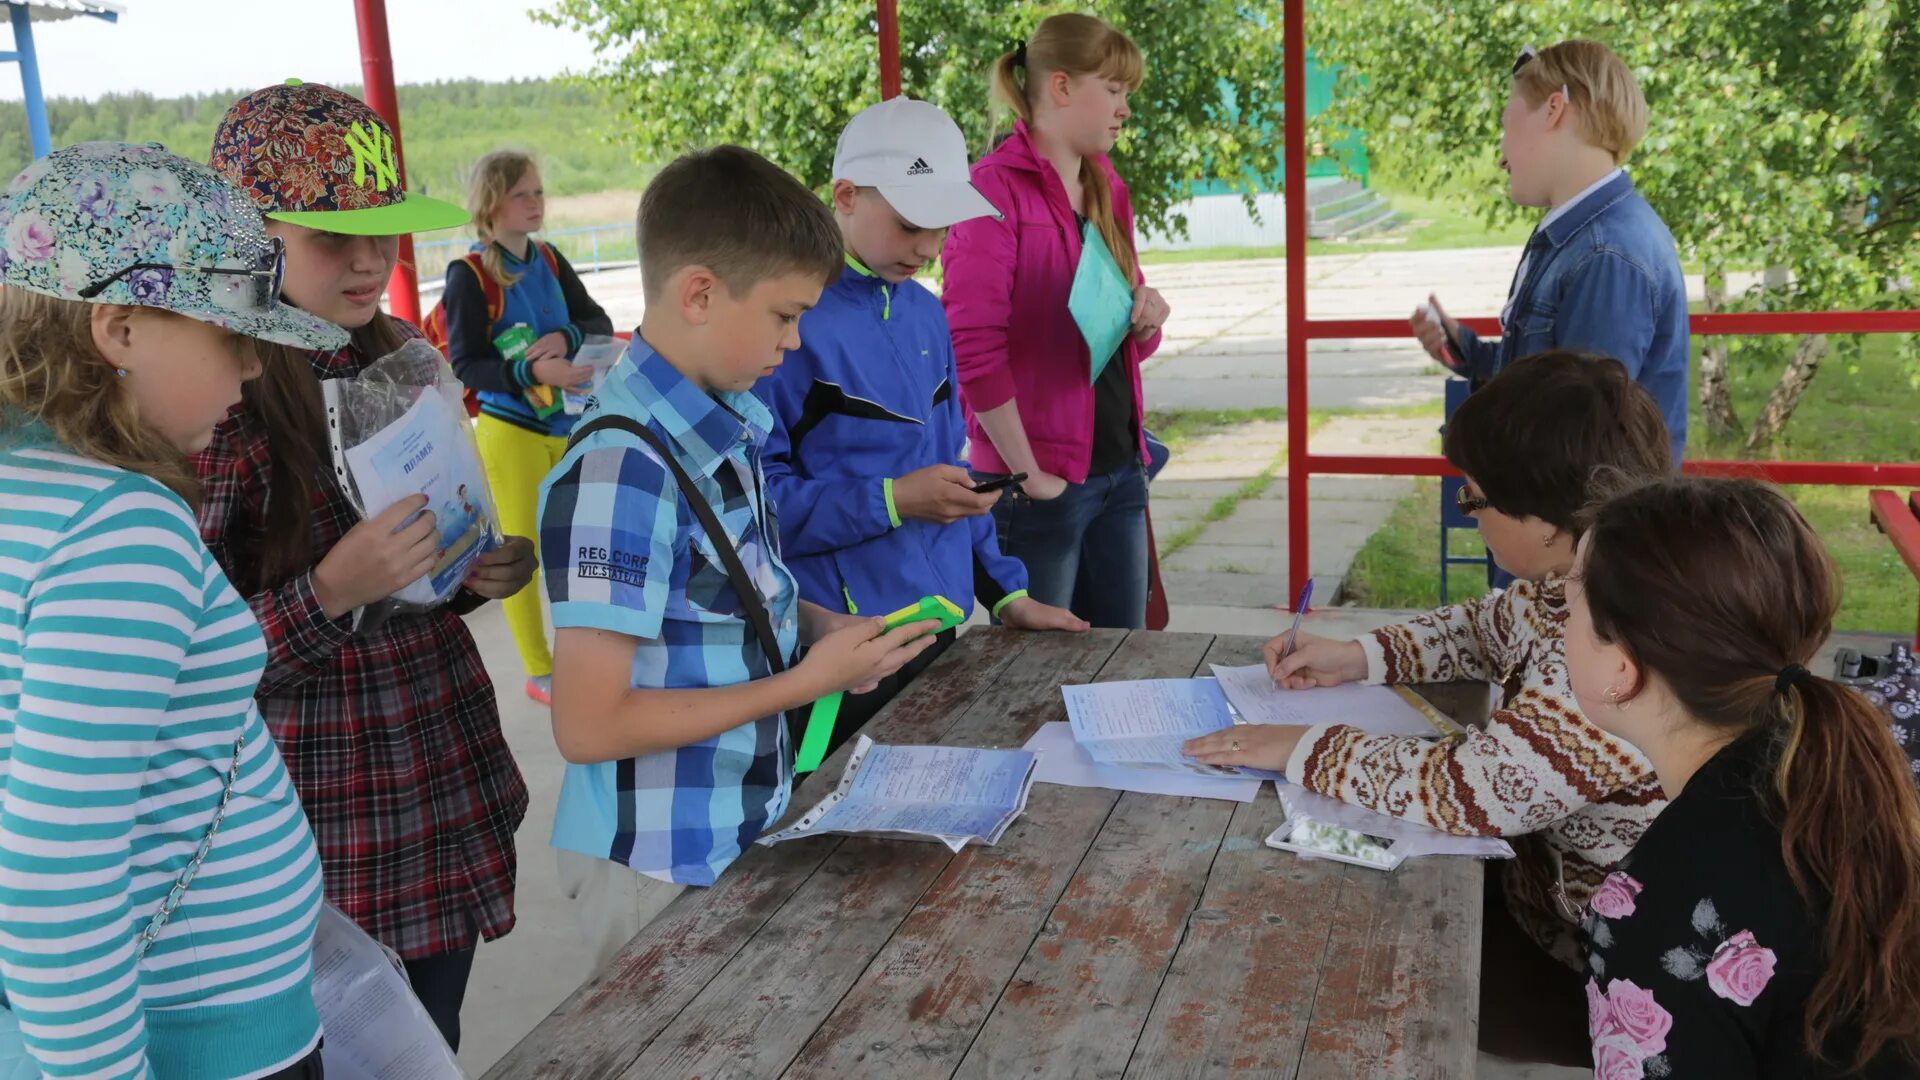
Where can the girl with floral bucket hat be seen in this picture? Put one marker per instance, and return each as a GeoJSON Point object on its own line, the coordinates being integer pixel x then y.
{"type": "Point", "coordinates": [159, 885]}
{"type": "Point", "coordinates": [390, 727]}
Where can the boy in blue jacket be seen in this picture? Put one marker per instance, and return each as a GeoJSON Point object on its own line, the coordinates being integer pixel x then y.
{"type": "Point", "coordinates": [875, 505]}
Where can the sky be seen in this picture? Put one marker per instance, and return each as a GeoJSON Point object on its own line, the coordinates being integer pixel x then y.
{"type": "Point", "coordinates": [172, 47]}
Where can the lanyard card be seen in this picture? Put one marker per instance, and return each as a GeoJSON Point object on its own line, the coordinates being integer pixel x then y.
{"type": "Point", "coordinates": [1101, 301]}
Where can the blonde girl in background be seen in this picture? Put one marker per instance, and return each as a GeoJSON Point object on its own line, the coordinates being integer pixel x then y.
{"type": "Point", "coordinates": [511, 280]}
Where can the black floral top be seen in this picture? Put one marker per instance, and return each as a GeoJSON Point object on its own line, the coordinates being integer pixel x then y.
{"type": "Point", "coordinates": [1701, 953]}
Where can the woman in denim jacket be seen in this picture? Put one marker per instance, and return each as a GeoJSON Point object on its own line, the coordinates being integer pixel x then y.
{"type": "Point", "coordinates": [1600, 273]}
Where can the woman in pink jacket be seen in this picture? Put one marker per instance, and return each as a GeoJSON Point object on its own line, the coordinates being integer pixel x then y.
{"type": "Point", "coordinates": [1036, 401]}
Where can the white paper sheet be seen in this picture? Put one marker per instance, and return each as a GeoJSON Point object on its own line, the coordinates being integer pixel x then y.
{"type": "Point", "coordinates": [599, 353]}
{"type": "Point", "coordinates": [374, 1028]}
{"type": "Point", "coordinates": [1380, 710]}
{"type": "Point", "coordinates": [1065, 762]}
{"type": "Point", "coordinates": [425, 452]}
{"type": "Point", "coordinates": [1143, 723]}
{"type": "Point", "coordinates": [956, 795]}
{"type": "Point", "coordinates": [1413, 839]}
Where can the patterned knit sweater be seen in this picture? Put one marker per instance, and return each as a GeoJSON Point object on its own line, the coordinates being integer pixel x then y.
{"type": "Point", "coordinates": [1572, 798]}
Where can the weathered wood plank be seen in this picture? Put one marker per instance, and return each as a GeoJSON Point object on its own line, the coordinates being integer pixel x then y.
{"type": "Point", "coordinates": [915, 1010]}
{"type": "Point", "coordinates": [1078, 999]}
{"type": "Point", "coordinates": [758, 1012]}
{"type": "Point", "coordinates": [598, 1031]}
{"type": "Point", "coordinates": [1272, 968]}
{"type": "Point", "coordinates": [1399, 995]}
{"type": "Point", "coordinates": [1239, 994]}
{"type": "Point", "coordinates": [1076, 1004]}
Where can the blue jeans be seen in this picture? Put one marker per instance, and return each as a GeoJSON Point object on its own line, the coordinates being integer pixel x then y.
{"type": "Point", "coordinates": [1085, 551]}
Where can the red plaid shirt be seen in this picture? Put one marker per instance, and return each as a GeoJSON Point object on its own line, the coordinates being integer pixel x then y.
{"type": "Point", "coordinates": [392, 736]}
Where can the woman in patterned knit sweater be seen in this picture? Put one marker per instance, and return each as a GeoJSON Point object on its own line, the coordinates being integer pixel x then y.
{"type": "Point", "coordinates": [1573, 798]}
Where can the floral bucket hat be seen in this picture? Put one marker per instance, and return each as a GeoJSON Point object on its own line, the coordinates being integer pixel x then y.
{"type": "Point", "coordinates": [311, 155]}
{"type": "Point", "coordinates": [116, 223]}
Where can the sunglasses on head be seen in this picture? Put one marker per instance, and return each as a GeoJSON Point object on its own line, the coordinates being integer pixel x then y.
{"type": "Point", "coordinates": [266, 277]}
{"type": "Point", "coordinates": [1527, 53]}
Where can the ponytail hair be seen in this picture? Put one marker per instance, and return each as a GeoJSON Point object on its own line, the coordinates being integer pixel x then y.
{"type": "Point", "coordinates": [1077, 45]}
{"type": "Point", "coordinates": [1722, 589]}
{"type": "Point", "coordinates": [493, 177]}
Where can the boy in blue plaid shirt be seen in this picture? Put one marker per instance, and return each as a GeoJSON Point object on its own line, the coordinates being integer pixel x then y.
{"type": "Point", "coordinates": [664, 702]}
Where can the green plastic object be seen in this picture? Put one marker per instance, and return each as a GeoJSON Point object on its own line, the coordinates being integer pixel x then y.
{"type": "Point", "coordinates": [820, 721]}
{"type": "Point", "coordinates": [938, 608]}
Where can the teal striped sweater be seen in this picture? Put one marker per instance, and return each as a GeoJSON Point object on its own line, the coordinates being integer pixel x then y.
{"type": "Point", "coordinates": [127, 668]}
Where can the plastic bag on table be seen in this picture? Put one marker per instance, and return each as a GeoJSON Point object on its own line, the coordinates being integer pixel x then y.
{"type": "Point", "coordinates": [400, 429]}
{"type": "Point", "coordinates": [372, 1025]}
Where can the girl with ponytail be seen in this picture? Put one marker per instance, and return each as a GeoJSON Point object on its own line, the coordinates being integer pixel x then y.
{"type": "Point", "coordinates": [1037, 401]}
{"type": "Point", "coordinates": [1768, 923]}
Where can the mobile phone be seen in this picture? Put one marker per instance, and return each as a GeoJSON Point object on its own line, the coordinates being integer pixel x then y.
{"type": "Point", "coordinates": [995, 485]}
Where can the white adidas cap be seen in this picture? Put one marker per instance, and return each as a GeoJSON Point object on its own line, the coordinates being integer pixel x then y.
{"type": "Point", "coordinates": [915, 155]}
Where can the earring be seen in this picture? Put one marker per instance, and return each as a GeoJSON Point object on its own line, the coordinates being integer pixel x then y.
{"type": "Point", "coordinates": [122, 372]}
{"type": "Point", "coordinates": [1550, 541]}
{"type": "Point", "coordinates": [1613, 698]}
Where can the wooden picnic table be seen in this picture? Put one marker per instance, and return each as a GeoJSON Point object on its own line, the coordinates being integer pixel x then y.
{"type": "Point", "coordinates": [1106, 935]}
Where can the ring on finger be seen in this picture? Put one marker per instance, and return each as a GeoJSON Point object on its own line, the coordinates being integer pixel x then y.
{"type": "Point", "coordinates": [1234, 746]}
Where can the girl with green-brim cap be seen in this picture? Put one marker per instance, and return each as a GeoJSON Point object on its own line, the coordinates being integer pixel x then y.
{"type": "Point", "coordinates": [390, 726]}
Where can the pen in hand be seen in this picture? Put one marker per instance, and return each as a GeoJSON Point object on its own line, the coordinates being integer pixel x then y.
{"type": "Point", "coordinates": [1299, 611]}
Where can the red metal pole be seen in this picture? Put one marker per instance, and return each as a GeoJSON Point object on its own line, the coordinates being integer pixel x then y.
{"type": "Point", "coordinates": [1294, 70]}
{"type": "Point", "coordinates": [887, 12]}
{"type": "Point", "coordinates": [376, 69]}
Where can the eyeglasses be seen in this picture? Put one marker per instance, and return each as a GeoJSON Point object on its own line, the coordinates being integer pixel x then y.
{"type": "Point", "coordinates": [266, 278]}
{"type": "Point", "coordinates": [1468, 503]}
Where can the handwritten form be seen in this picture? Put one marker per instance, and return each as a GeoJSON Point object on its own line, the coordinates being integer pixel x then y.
{"type": "Point", "coordinates": [1143, 723]}
{"type": "Point", "coordinates": [1065, 762]}
{"type": "Point", "coordinates": [1379, 710]}
{"type": "Point", "coordinates": [953, 794]}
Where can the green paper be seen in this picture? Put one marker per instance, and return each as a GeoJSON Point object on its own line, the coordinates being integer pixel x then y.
{"type": "Point", "coordinates": [1101, 301]}
{"type": "Point", "coordinates": [514, 341]}
{"type": "Point", "coordinates": [813, 745]}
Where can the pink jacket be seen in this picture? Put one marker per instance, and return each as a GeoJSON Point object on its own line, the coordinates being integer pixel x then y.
{"type": "Point", "coordinates": [1005, 292]}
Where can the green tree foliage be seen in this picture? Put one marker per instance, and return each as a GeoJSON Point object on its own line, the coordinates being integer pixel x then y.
{"type": "Point", "coordinates": [783, 77]}
{"type": "Point", "coordinates": [1782, 136]}
{"type": "Point", "coordinates": [445, 127]}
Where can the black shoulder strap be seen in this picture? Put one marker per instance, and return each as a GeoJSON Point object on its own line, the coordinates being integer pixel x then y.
{"type": "Point", "coordinates": [750, 599]}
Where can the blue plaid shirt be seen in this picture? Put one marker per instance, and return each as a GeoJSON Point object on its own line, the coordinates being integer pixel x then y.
{"type": "Point", "coordinates": [623, 552]}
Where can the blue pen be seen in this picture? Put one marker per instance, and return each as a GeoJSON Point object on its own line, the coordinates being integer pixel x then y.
{"type": "Point", "coordinates": [1299, 609]}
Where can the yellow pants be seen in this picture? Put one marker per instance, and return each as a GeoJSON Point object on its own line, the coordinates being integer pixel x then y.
{"type": "Point", "coordinates": [517, 460]}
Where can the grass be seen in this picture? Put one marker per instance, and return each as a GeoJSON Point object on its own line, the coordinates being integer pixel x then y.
{"type": "Point", "coordinates": [1433, 222]}
{"type": "Point", "coordinates": [1864, 414]}
{"type": "Point", "coordinates": [1179, 427]}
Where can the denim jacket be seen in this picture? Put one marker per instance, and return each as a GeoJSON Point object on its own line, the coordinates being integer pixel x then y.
{"type": "Point", "coordinates": [1603, 278]}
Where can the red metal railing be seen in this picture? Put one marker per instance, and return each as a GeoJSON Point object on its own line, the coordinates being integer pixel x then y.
{"type": "Point", "coordinates": [1302, 463]}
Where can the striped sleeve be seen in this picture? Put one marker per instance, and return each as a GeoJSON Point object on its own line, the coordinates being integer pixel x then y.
{"type": "Point", "coordinates": [110, 617]}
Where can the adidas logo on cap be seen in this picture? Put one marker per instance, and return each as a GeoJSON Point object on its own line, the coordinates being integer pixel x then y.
{"type": "Point", "coordinates": [920, 168]}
